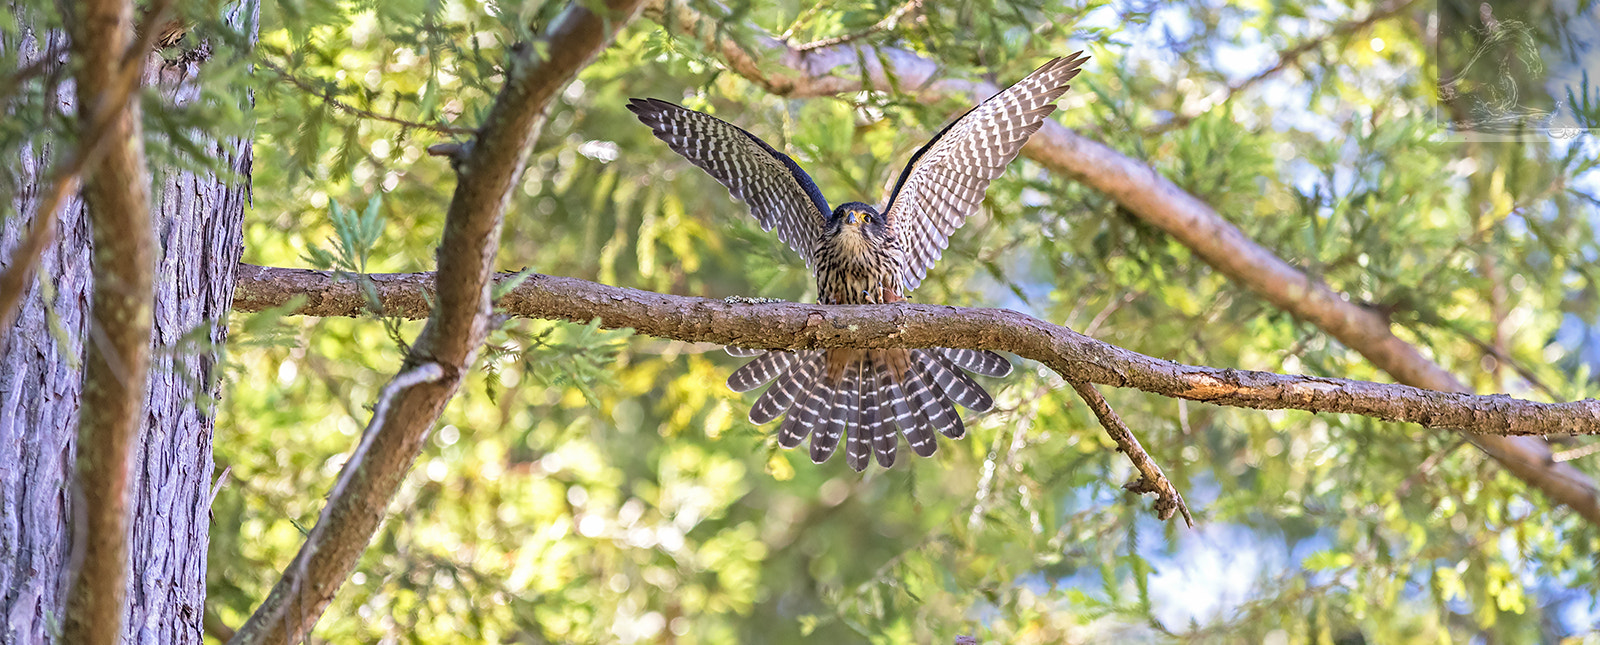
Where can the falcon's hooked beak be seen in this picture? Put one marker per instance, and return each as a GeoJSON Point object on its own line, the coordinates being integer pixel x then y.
{"type": "Point", "coordinates": [856, 219]}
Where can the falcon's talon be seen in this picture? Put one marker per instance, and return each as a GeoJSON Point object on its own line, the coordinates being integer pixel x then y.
{"type": "Point", "coordinates": [867, 398]}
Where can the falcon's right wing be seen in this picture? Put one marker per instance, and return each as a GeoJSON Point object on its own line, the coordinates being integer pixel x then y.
{"type": "Point", "coordinates": [779, 193]}
{"type": "Point", "coordinates": [946, 179]}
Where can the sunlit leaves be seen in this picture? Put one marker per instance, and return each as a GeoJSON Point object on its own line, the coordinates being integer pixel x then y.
{"type": "Point", "coordinates": [594, 487]}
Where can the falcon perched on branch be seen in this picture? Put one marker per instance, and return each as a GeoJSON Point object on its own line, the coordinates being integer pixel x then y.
{"type": "Point", "coordinates": [862, 256]}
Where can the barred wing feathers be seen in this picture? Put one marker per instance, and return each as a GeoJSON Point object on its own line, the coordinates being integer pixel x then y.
{"type": "Point", "coordinates": [780, 194]}
{"type": "Point", "coordinates": [946, 179]}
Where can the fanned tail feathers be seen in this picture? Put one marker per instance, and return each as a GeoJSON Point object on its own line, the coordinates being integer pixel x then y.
{"type": "Point", "coordinates": [764, 368]}
{"type": "Point", "coordinates": [846, 407]}
{"type": "Point", "coordinates": [790, 384]}
{"type": "Point", "coordinates": [744, 352]}
{"type": "Point", "coordinates": [978, 361]}
{"type": "Point", "coordinates": [867, 398]}
{"type": "Point", "coordinates": [891, 404]}
{"type": "Point", "coordinates": [955, 384]}
{"type": "Point", "coordinates": [858, 445]}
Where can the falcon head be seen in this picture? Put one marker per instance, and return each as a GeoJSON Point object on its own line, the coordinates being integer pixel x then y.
{"type": "Point", "coordinates": [858, 220]}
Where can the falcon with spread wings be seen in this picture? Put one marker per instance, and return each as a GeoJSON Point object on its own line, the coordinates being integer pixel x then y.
{"type": "Point", "coordinates": [862, 256]}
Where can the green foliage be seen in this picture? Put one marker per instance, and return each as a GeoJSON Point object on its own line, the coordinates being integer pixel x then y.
{"type": "Point", "coordinates": [596, 487]}
{"type": "Point", "coordinates": [27, 88]}
{"type": "Point", "coordinates": [355, 236]}
{"type": "Point", "coordinates": [581, 359]}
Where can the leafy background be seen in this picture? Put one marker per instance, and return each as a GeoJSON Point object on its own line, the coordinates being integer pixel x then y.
{"type": "Point", "coordinates": [595, 487]}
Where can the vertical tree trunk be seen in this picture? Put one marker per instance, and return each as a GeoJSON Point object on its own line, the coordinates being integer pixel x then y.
{"type": "Point", "coordinates": [197, 219]}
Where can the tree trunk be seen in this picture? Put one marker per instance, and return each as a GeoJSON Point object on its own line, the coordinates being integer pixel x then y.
{"type": "Point", "coordinates": [197, 219]}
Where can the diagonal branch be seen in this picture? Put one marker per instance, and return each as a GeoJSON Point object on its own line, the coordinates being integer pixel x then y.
{"type": "Point", "coordinates": [1149, 196]}
{"type": "Point", "coordinates": [1577, 453]}
{"type": "Point", "coordinates": [888, 23]}
{"type": "Point", "coordinates": [791, 325]}
{"type": "Point", "coordinates": [11, 84]}
{"type": "Point", "coordinates": [1151, 479]}
{"type": "Point", "coordinates": [446, 347]}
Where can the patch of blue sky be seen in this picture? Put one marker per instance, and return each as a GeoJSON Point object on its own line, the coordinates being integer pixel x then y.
{"type": "Point", "coordinates": [1017, 269]}
{"type": "Point", "coordinates": [1578, 611]}
{"type": "Point", "coordinates": [1217, 568]}
{"type": "Point", "coordinates": [1573, 62]}
{"type": "Point", "coordinates": [1588, 182]}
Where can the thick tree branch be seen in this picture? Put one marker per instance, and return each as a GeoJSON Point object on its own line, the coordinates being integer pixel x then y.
{"type": "Point", "coordinates": [1149, 196]}
{"type": "Point", "coordinates": [116, 194]}
{"type": "Point", "coordinates": [445, 348]}
{"type": "Point", "coordinates": [790, 325]}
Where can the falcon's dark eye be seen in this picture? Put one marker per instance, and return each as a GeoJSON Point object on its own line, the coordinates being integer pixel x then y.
{"type": "Point", "coordinates": [866, 218]}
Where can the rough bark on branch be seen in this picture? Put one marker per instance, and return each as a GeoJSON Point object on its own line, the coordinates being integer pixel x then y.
{"type": "Point", "coordinates": [792, 325]}
{"type": "Point", "coordinates": [827, 71]}
{"type": "Point", "coordinates": [445, 348]}
{"type": "Point", "coordinates": [116, 195]}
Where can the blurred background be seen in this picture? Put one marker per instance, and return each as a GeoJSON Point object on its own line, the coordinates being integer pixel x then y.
{"type": "Point", "coordinates": [595, 487]}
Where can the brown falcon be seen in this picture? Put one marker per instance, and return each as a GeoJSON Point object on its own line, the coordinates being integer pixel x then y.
{"type": "Point", "coordinates": [860, 256]}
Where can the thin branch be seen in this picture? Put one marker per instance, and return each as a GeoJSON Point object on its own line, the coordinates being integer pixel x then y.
{"type": "Point", "coordinates": [1484, 227]}
{"type": "Point", "coordinates": [791, 325]}
{"type": "Point", "coordinates": [425, 373]}
{"type": "Point", "coordinates": [1499, 352]}
{"type": "Point", "coordinates": [327, 97]}
{"type": "Point", "coordinates": [807, 14]}
{"type": "Point", "coordinates": [1425, 469]}
{"type": "Point", "coordinates": [14, 281]}
{"type": "Point", "coordinates": [455, 331]}
{"type": "Point", "coordinates": [1497, 349]}
{"type": "Point", "coordinates": [1110, 308]}
{"type": "Point", "coordinates": [216, 486]}
{"type": "Point", "coordinates": [12, 83]}
{"type": "Point", "coordinates": [217, 629]}
{"type": "Point", "coordinates": [1146, 194]}
{"type": "Point", "coordinates": [1286, 59]}
{"type": "Point", "coordinates": [889, 22]}
{"type": "Point", "coordinates": [1577, 453]}
{"type": "Point", "coordinates": [116, 196]}
{"type": "Point", "coordinates": [1151, 479]}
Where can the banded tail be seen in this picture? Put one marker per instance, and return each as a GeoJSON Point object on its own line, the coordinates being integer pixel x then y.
{"type": "Point", "coordinates": [866, 398]}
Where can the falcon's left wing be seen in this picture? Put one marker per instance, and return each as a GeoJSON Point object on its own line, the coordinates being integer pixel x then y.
{"type": "Point", "coordinates": [780, 194]}
{"type": "Point", "coordinates": [945, 180]}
